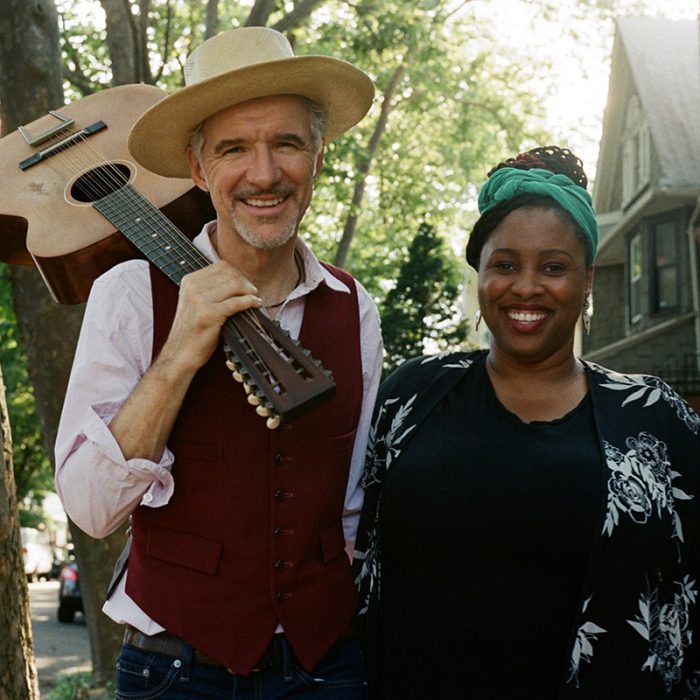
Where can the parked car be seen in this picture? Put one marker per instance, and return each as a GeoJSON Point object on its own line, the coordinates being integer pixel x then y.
{"type": "Point", "coordinates": [70, 600]}
{"type": "Point", "coordinates": [37, 552]}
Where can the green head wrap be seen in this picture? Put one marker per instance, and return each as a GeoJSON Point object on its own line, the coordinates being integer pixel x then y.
{"type": "Point", "coordinates": [506, 183]}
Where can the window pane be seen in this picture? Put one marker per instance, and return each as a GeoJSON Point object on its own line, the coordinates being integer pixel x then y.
{"type": "Point", "coordinates": [636, 258]}
{"type": "Point", "coordinates": [665, 243]}
{"type": "Point", "coordinates": [668, 288]}
{"type": "Point", "coordinates": [635, 286]}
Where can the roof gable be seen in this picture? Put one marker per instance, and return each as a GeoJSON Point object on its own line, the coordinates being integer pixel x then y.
{"type": "Point", "coordinates": [659, 60]}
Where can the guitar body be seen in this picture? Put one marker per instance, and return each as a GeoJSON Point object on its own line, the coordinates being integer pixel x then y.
{"type": "Point", "coordinates": [78, 205]}
{"type": "Point", "coordinates": [42, 218]}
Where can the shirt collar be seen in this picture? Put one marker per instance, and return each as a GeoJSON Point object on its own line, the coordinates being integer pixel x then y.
{"type": "Point", "coordinates": [314, 272]}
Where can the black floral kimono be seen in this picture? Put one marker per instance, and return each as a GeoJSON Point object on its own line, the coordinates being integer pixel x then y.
{"type": "Point", "coordinates": [644, 606]}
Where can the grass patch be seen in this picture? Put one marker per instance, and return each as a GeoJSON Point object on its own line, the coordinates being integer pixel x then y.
{"type": "Point", "coordinates": [79, 686]}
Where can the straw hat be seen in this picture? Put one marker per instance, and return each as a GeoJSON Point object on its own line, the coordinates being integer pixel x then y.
{"type": "Point", "coordinates": [239, 65]}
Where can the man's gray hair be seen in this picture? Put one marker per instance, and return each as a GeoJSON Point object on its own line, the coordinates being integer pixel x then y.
{"type": "Point", "coordinates": [318, 122]}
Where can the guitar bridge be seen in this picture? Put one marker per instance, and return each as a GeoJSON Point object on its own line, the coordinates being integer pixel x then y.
{"type": "Point", "coordinates": [60, 145]}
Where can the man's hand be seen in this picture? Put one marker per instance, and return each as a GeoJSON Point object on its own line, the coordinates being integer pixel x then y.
{"type": "Point", "coordinates": [207, 298]}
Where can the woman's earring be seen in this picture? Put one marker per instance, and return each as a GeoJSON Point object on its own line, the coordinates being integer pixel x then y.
{"type": "Point", "coordinates": [586, 313]}
{"type": "Point", "coordinates": [477, 319]}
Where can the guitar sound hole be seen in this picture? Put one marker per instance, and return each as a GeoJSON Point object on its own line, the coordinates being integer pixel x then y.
{"type": "Point", "coordinates": [100, 182]}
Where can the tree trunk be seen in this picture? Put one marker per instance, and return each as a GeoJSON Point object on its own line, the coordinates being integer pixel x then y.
{"type": "Point", "coordinates": [18, 678]}
{"type": "Point", "coordinates": [50, 333]}
{"type": "Point", "coordinates": [30, 84]}
{"type": "Point", "coordinates": [21, 23]}
{"type": "Point", "coordinates": [121, 39]}
{"type": "Point", "coordinates": [364, 167]}
{"type": "Point", "coordinates": [30, 61]}
{"type": "Point", "coordinates": [212, 19]}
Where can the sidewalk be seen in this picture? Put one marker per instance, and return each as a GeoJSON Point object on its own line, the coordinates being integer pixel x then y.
{"type": "Point", "coordinates": [59, 648]}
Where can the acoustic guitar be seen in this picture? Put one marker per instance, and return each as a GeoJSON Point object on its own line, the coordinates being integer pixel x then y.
{"type": "Point", "coordinates": [78, 204]}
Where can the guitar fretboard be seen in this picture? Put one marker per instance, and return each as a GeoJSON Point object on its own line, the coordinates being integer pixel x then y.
{"type": "Point", "coordinates": [290, 380]}
{"type": "Point", "coordinates": [151, 232]}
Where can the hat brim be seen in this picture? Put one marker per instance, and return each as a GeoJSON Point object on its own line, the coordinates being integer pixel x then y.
{"type": "Point", "coordinates": [158, 140]}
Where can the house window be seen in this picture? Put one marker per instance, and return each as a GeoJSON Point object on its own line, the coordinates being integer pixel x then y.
{"type": "Point", "coordinates": [635, 278]}
{"type": "Point", "coordinates": [666, 246]}
{"type": "Point", "coordinates": [635, 151]}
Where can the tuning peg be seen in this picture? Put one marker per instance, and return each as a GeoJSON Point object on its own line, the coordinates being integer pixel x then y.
{"type": "Point", "coordinates": [249, 388]}
{"type": "Point", "coordinates": [273, 422]}
{"type": "Point", "coordinates": [236, 371]}
{"type": "Point", "coordinates": [264, 410]}
{"type": "Point", "coordinates": [254, 399]}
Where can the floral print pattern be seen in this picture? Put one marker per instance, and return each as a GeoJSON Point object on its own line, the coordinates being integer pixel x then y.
{"type": "Point", "coordinates": [649, 474]}
{"type": "Point", "coordinates": [582, 650]}
{"type": "Point", "coordinates": [640, 483]}
{"type": "Point", "coordinates": [651, 389]}
{"type": "Point", "coordinates": [666, 626]}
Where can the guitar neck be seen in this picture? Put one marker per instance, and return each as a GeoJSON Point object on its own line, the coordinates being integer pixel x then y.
{"type": "Point", "coordinates": [284, 376]}
{"type": "Point", "coordinates": [151, 232]}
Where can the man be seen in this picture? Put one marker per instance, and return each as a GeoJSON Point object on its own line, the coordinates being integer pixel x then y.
{"type": "Point", "coordinates": [238, 579]}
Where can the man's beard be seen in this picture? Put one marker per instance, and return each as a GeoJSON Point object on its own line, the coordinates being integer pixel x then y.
{"type": "Point", "coordinates": [263, 242]}
{"type": "Point", "coordinates": [268, 242]}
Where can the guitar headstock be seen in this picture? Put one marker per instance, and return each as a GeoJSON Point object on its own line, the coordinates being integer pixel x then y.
{"type": "Point", "coordinates": [280, 377]}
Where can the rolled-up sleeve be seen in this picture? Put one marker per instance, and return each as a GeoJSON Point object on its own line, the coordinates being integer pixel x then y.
{"type": "Point", "coordinates": [97, 486]}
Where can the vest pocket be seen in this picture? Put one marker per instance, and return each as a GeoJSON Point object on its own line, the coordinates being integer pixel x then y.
{"type": "Point", "coordinates": [184, 549]}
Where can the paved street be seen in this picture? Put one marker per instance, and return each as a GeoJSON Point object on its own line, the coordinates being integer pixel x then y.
{"type": "Point", "coordinates": [59, 647]}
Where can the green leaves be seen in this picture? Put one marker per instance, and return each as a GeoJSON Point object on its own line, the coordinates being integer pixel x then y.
{"type": "Point", "coordinates": [32, 468]}
{"type": "Point", "coordinates": [421, 313]}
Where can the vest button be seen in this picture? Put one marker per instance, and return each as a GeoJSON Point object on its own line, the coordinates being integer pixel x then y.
{"type": "Point", "coordinates": [278, 458]}
{"type": "Point", "coordinates": [280, 597]}
{"type": "Point", "coordinates": [278, 565]}
{"type": "Point", "coordinates": [279, 495]}
{"type": "Point", "coordinates": [277, 532]}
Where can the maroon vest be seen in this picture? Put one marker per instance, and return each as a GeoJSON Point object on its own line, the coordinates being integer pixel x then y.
{"type": "Point", "coordinates": [253, 534]}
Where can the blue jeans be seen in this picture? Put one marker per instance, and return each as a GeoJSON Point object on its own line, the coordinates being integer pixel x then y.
{"type": "Point", "coordinates": [340, 675]}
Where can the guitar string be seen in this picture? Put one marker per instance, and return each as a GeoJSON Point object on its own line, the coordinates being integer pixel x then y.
{"type": "Point", "coordinates": [114, 180]}
{"type": "Point", "coordinates": [111, 179]}
{"type": "Point", "coordinates": [107, 179]}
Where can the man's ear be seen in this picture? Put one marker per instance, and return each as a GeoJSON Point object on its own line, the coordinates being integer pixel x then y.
{"type": "Point", "coordinates": [196, 171]}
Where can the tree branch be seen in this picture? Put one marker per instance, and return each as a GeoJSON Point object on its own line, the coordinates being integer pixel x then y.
{"type": "Point", "coordinates": [260, 13]}
{"type": "Point", "coordinates": [364, 166]}
{"type": "Point", "coordinates": [300, 12]}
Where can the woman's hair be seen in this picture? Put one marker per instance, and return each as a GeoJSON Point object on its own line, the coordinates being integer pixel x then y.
{"type": "Point", "coordinates": [556, 160]}
{"type": "Point", "coordinates": [552, 158]}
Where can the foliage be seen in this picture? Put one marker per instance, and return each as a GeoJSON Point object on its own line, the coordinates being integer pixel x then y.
{"type": "Point", "coordinates": [79, 686]}
{"type": "Point", "coordinates": [456, 110]}
{"type": "Point", "coordinates": [421, 313]}
{"type": "Point", "coordinates": [32, 467]}
{"type": "Point", "coordinates": [457, 107]}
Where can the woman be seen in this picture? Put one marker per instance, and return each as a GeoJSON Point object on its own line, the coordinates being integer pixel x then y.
{"type": "Point", "coordinates": [532, 518]}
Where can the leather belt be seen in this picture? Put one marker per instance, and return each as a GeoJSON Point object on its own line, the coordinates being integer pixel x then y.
{"type": "Point", "coordinates": [169, 645]}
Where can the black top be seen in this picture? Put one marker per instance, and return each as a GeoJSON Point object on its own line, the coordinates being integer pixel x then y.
{"type": "Point", "coordinates": [486, 524]}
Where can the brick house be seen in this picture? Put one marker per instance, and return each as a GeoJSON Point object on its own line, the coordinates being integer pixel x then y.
{"type": "Point", "coordinates": [646, 291]}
